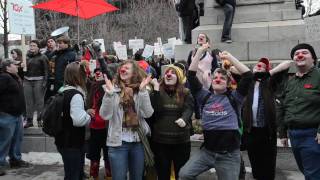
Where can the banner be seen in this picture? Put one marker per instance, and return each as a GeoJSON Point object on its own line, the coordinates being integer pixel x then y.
{"type": "Point", "coordinates": [21, 17]}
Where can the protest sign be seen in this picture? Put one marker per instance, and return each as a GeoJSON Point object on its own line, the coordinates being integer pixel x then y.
{"type": "Point", "coordinates": [136, 44]}
{"type": "Point", "coordinates": [157, 49]}
{"type": "Point", "coordinates": [148, 51]}
{"type": "Point", "coordinates": [168, 51]}
{"type": "Point", "coordinates": [121, 51]}
{"type": "Point", "coordinates": [21, 17]}
{"type": "Point", "coordinates": [101, 41]}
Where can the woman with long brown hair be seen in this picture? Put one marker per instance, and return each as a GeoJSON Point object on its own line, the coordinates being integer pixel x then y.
{"type": "Point", "coordinates": [125, 104]}
{"type": "Point", "coordinates": [70, 143]}
{"type": "Point", "coordinates": [171, 123]}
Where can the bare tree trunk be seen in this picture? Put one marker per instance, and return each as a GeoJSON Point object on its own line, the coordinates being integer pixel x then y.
{"type": "Point", "coordinates": [4, 18]}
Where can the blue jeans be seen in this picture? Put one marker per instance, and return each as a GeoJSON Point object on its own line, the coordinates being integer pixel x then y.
{"type": "Point", "coordinates": [73, 163]}
{"type": "Point", "coordinates": [227, 165]}
{"type": "Point", "coordinates": [127, 156]}
{"type": "Point", "coordinates": [11, 132]}
{"type": "Point", "coordinates": [306, 151]}
{"type": "Point", "coordinates": [229, 11]}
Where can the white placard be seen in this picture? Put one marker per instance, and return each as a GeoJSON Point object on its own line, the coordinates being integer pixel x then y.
{"type": "Point", "coordinates": [121, 51]}
{"type": "Point", "coordinates": [136, 44]}
{"type": "Point", "coordinates": [101, 41]}
{"type": "Point", "coordinates": [157, 49]}
{"type": "Point", "coordinates": [172, 41]}
{"type": "Point", "coordinates": [21, 17]}
{"type": "Point", "coordinates": [148, 51]}
{"type": "Point", "coordinates": [168, 51]}
{"type": "Point", "coordinates": [312, 28]}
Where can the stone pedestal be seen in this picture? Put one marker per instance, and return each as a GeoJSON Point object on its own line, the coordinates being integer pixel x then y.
{"type": "Point", "coordinates": [261, 28]}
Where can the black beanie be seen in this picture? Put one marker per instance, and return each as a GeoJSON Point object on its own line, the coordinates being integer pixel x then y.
{"type": "Point", "coordinates": [305, 46]}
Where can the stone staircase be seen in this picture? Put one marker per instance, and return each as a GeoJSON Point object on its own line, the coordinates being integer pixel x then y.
{"type": "Point", "coordinates": [261, 28]}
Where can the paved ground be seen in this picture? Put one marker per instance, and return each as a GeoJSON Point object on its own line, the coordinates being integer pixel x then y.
{"type": "Point", "coordinates": [55, 172]}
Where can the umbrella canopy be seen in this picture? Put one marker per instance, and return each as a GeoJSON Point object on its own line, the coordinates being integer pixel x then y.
{"type": "Point", "coordinates": [84, 9]}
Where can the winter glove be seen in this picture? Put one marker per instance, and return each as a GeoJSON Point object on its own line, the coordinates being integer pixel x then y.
{"type": "Point", "coordinates": [180, 122]}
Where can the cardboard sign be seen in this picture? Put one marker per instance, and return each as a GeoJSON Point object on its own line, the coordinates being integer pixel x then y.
{"type": "Point", "coordinates": [148, 51]}
{"type": "Point", "coordinates": [121, 50]}
{"type": "Point", "coordinates": [136, 44]}
{"type": "Point", "coordinates": [157, 49]}
{"type": "Point", "coordinates": [168, 51]}
{"type": "Point", "coordinates": [21, 17]}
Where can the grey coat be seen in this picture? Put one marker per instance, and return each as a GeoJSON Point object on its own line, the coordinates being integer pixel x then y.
{"type": "Point", "coordinates": [112, 111]}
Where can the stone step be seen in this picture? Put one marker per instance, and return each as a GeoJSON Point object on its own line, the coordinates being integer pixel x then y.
{"type": "Point", "coordinates": [254, 9]}
{"type": "Point", "coordinates": [247, 51]}
{"type": "Point", "coordinates": [259, 31]}
{"type": "Point", "coordinates": [35, 140]}
{"type": "Point", "coordinates": [218, 18]}
{"type": "Point", "coordinates": [212, 3]}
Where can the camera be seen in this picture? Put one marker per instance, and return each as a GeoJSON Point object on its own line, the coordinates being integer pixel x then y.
{"type": "Point", "coordinates": [96, 46]}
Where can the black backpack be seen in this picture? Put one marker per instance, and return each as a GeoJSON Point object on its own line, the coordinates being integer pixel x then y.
{"type": "Point", "coordinates": [52, 115]}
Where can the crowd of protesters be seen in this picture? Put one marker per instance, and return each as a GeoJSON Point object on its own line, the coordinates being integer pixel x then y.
{"type": "Point", "coordinates": [140, 111]}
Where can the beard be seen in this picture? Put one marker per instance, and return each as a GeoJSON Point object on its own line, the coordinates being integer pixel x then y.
{"type": "Point", "coordinates": [261, 75]}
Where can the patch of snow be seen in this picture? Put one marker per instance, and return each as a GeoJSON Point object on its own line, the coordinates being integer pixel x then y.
{"type": "Point", "coordinates": [45, 158]}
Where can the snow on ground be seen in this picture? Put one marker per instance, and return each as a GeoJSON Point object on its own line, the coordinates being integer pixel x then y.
{"type": "Point", "coordinates": [44, 158]}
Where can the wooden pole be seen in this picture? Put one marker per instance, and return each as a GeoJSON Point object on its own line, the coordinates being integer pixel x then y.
{"type": "Point", "coordinates": [24, 52]}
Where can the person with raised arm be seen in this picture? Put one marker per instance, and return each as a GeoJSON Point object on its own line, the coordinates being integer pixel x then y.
{"type": "Point", "coordinates": [220, 108]}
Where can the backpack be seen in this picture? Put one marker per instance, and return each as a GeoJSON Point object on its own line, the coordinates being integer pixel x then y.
{"type": "Point", "coordinates": [233, 104]}
{"type": "Point", "coordinates": [52, 115]}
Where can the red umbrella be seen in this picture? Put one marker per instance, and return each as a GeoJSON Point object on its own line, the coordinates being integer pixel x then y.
{"type": "Point", "coordinates": [84, 9]}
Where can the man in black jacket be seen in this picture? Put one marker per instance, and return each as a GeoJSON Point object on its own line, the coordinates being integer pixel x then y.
{"type": "Point", "coordinates": [229, 7]}
{"type": "Point", "coordinates": [187, 10]}
{"type": "Point", "coordinates": [63, 56]}
{"type": "Point", "coordinates": [12, 106]}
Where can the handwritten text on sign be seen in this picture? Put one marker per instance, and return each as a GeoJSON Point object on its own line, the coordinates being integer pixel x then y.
{"type": "Point", "coordinates": [21, 17]}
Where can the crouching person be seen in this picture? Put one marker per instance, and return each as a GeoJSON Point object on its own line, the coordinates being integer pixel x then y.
{"type": "Point", "coordinates": [70, 142]}
{"type": "Point", "coordinates": [220, 110]}
{"type": "Point", "coordinates": [125, 104]}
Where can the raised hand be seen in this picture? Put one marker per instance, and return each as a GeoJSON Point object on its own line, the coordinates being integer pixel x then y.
{"type": "Point", "coordinates": [155, 84]}
{"type": "Point", "coordinates": [145, 82]}
{"type": "Point", "coordinates": [204, 47]}
{"type": "Point", "coordinates": [109, 86]}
